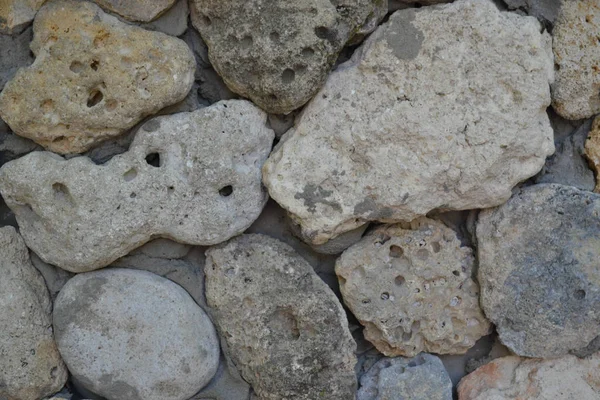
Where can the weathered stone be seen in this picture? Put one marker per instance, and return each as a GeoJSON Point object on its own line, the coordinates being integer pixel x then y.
{"type": "Point", "coordinates": [286, 331]}
{"type": "Point", "coordinates": [545, 11]}
{"type": "Point", "coordinates": [54, 277]}
{"type": "Point", "coordinates": [15, 15]}
{"type": "Point", "coordinates": [132, 335]}
{"type": "Point", "coordinates": [15, 54]}
{"type": "Point", "coordinates": [576, 91]}
{"type": "Point", "coordinates": [420, 378]}
{"type": "Point", "coordinates": [30, 365]}
{"type": "Point", "coordinates": [592, 151]}
{"type": "Point", "coordinates": [193, 177]}
{"type": "Point", "coordinates": [225, 386]}
{"type": "Point", "coordinates": [280, 55]}
{"type": "Point", "coordinates": [173, 22]}
{"type": "Point", "coordinates": [412, 289]}
{"type": "Point", "coordinates": [137, 10]}
{"type": "Point", "coordinates": [94, 80]}
{"type": "Point", "coordinates": [515, 378]}
{"type": "Point", "coordinates": [538, 269]}
{"type": "Point", "coordinates": [413, 122]}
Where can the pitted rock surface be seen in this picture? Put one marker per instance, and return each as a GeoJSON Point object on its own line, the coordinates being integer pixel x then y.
{"type": "Point", "coordinates": [15, 15]}
{"type": "Point", "coordinates": [93, 78]}
{"type": "Point", "coordinates": [137, 10]}
{"type": "Point", "coordinates": [286, 331]}
{"type": "Point", "coordinates": [592, 151]}
{"type": "Point", "coordinates": [132, 335]}
{"type": "Point", "coordinates": [192, 177]}
{"type": "Point", "coordinates": [279, 54]}
{"type": "Point", "coordinates": [413, 123]}
{"type": "Point", "coordinates": [30, 365]}
{"type": "Point", "coordinates": [538, 269]}
{"type": "Point", "coordinates": [412, 289]}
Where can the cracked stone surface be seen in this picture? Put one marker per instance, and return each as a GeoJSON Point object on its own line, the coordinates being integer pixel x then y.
{"type": "Point", "coordinates": [419, 125]}
{"type": "Point", "coordinates": [192, 177]}
{"type": "Point", "coordinates": [137, 10]}
{"type": "Point", "coordinates": [16, 15]}
{"type": "Point", "coordinates": [592, 151]}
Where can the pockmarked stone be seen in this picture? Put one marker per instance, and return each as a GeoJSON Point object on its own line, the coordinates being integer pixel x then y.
{"type": "Point", "coordinates": [436, 111]}
{"type": "Point", "coordinates": [538, 269]}
{"type": "Point", "coordinates": [137, 10]}
{"type": "Point", "coordinates": [15, 54]}
{"type": "Point", "coordinates": [133, 335]}
{"type": "Point", "coordinates": [191, 177]}
{"type": "Point", "coordinates": [592, 151]}
{"type": "Point", "coordinates": [411, 288]}
{"type": "Point", "coordinates": [279, 55]}
{"type": "Point", "coordinates": [515, 378]}
{"type": "Point", "coordinates": [576, 91]}
{"type": "Point", "coordinates": [15, 15]}
{"type": "Point", "coordinates": [285, 329]}
{"type": "Point", "coordinates": [94, 77]}
{"type": "Point", "coordinates": [30, 365]}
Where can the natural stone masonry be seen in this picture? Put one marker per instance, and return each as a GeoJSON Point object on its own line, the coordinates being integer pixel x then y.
{"type": "Point", "coordinates": [192, 177]}
{"type": "Point", "coordinates": [286, 331]}
{"type": "Point", "coordinates": [137, 10]}
{"type": "Point", "coordinates": [538, 270]}
{"type": "Point", "coordinates": [576, 91]}
{"type": "Point", "coordinates": [278, 55]}
{"type": "Point", "coordinates": [15, 54]}
{"type": "Point", "coordinates": [93, 78]}
{"type": "Point", "coordinates": [516, 378]}
{"type": "Point", "coordinates": [592, 151]}
{"type": "Point", "coordinates": [544, 10]}
{"type": "Point", "coordinates": [15, 15]}
{"type": "Point", "coordinates": [412, 289]}
{"type": "Point", "coordinates": [30, 365]}
{"type": "Point", "coordinates": [442, 108]}
{"type": "Point", "coordinates": [132, 335]}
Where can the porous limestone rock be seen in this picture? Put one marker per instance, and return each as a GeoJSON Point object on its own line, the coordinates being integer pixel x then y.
{"type": "Point", "coordinates": [538, 269]}
{"type": "Point", "coordinates": [411, 288]}
{"type": "Point", "coordinates": [516, 378]}
{"type": "Point", "coordinates": [137, 10]}
{"type": "Point", "coordinates": [420, 378]}
{"type": "Point", "coordinates": [30, 365]}
{"type": "Point", "coordinates": [15, 15]}
{"type": "Point", "coordinates": [132, 335]}
{"type": "Point", "coordinates": [278, 55]}
{"type": "Point", "coordinates": [576, 91]}
{"type": "Point", "coordinates": [442, 108]}
{"type": "Point", "coordinates": [93, 78]}
{"type": "Point", "coordinates": [192, 177]}
{"type": "Point", "coordinates": [592, 151]}
{"type": "Point", "coordinates": [285, 330]}
{"type": "Point", "coordinates": [15, 54]}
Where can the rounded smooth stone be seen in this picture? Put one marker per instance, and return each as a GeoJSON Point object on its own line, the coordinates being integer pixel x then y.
{"type": "Point", "coordinates": [133, 335]}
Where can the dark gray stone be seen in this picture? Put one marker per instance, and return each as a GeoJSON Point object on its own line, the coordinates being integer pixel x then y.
{"type": "Point", "coordinates": [15, 54]}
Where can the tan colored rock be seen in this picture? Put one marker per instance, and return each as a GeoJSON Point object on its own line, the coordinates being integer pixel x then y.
{"type": "Point", "coordinates": [592, 151]}
{"type": "Point", "coordinates": [137, 10]}
{"type": "Point", "coordinates": [94, 77]}
{"type": "Point", "coordinates": [15, 15]}
{"type": "Point", "coordinates": [519, 378]}
{"type": "Point", "coordinates": [412, 289]}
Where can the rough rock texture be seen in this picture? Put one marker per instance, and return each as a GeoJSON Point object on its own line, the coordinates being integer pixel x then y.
{"type": "Point", "coordinates": [15, 54]}
{"type": "Point", "coordinates": [592, 151]}
{"type": "Point", "coordinates": [516, 378]}
{"type": "Point", "coordinates": [442, 108]}
{"type": "Point", "coordinates": [54, 277]}
{"type": "Point", "coordinates": [412, 289]}
{"type": "Point", "coordinates": [538, 269]}
{"type": "Point", "coordinates": [173, 22]}
{"type": "Point", "coordinates": [136, 10]}
{"type": "Point", "coordinates": [286, 331]}
{"type": "Point", "coordinates": [225, 385]}
{"type": "Point", "coordinates": [30, 365]}
{"type": "Point", "coordinates": [132, 335]}
{"type": "Point", "coordinates": [576, 91]}
{"type": "Point", "coordinates": [15, 15]}
{"type": "Point", "coordinates": [545, 11]}
{"type": "Point", "coordinates": [420, 378]}
{"type": "Point", "coordinates": [278, 55]}
{"type": "Point", "coordinates": [192, 177]}
{"type": "Point", "coordinates": [94, 80]}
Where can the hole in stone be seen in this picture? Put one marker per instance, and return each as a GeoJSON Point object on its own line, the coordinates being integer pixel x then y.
{"type": "Point", "coordinates": [94, 98]}
{"type": "Point", "coordinates": [226, 191]}
{"type": "Point", "coordinates": [153, 159]}
{"type": "Point", "coordinates": [381, 240]}
{"type": "Point", "coordinates": [580, 294]}
{"type": "Point", "coordinates": [415, 362]}
{"type": "Point", "coordinates": [284, 322]}
{"type": "Point", "coordinates": [399, 281]}
{"type": "Point", "coordinates": [385, 296]}
{"type": "Point", "coordinates": [76, 67]}
{"type": "Point", "coordinates": [47, 106]}
{"type": "Point", "coordinates": [288, 75]}
{"type": "Point", "coordinates": [247, 280]}
{"type": "Point", "coordinates": [111, 105]}
{"type": "Point", "coordinates": [456, 273]}
{"type": "Point", "coordinates": [94, 65]}
{"type": "Point", "coordinates": [396, 251]}
{"type": "Point", "coordinates": [366, 301]}
{"type": "Point", "coordinates": [58, 139]}
{"type": "Point", "coordinates": [406, 336]}
{"type": "Point", "coordinates": [308, 52]}
{"type": "Point", "coordinates": [133, 195]}
{"type": "Point", "coordinates": [130, 175]}
{"type": "Point", "coordinates": [246, 42]}
{"type": "Point", "coordinates": [435, 246]}
{"type": "Point", "coordinates": [272, 97]}
{"type": "Point", "coordinates": [61, 192]}
{"type": "Point", "coordinates": [325, 33]}
{"type": "Point", "coordinates": [274, 36]}
{"type": "Point", "coordinates": [170, 190]}
{"type": "Point", "coordinates": [206, 20]}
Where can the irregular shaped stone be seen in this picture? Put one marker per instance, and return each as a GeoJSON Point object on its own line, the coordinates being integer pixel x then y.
{"type": "Point", "coordinates": [546, 11]}
{"type": "Point", "coordinates": [192, 177]}
{"type": "Point", "coordinates": [30, 365]}
{"type": "Point", "coordinates": [15, 15]}
{"type": "Point", "coordinates": [412, 289]}
{"type": "Point", "coordinates": [538, 269]}
{"type": "Point", "coordinates": [54, 277]}
{"type": "Point", "coordinates": [132, 335]}
{"type": "Point", "coordinates": [285, 330]}
{"type": "Point", "coordinates": [515, 378]}
{"type": "Point", "coordinates": [418, 127]}
{"type": "Point", "coordinates": [137, 10]}
{"type": "Point", "coordinates": [225, 386]}
{"type": "Point", "coordinates": [280, 55]}
{"type": "Point", "coordinates": [576, 91]}
{"type": "Point", "coordinates": [15, 54]}
{"type": "Point", "coordinates": [420, 378]}
{"type": "Point", "coordinates": [592, 151]}
{"type": "Point", "coordinates": [173, 22]}
{"type": "Point", "coordinates": [94, 80]}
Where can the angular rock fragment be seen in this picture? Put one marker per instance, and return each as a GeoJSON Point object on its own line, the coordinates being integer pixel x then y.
{"type": "Point", "coordinates": [592, 151]}
{"type": "Point", "coordinates": [285, 330]}
{"type": "Point", "coordinates": [279, 55]}
{"type": "Point", "coordinates": [132, 335]}
{"type": "Point", "coordinates": [94, 77]}
{"type": "Point", "coordinates": [546, 11]}
{"type": "Point", "coordinates": [137, 10]}
{"type": "Point", "coordinates": [437, 110]}
{"type": "Point", "coordinates": [15, 15]}
{"type": "Point", "coordinates": [30, 365]}
{"type": "Point", "coordinates": [173, 22]}
{"type": "Point", "coordinates": [538, 269]}
{"type": "Point", "coordinates": [412, 290]}
{"type": "Point", "coordinates": [192, 177]}
{"type": "Point", "coordinates": [15, 54]}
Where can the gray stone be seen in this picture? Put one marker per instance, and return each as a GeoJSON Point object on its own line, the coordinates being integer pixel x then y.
{"type": "Point", "coordinates": [285, 330]}
{"type": "Point", "coordinates": [413, 122]}
{"type": "Point", "coordinates": [173, 22]}
{"type": "Point", "coordinates": [137, 10]}
{"type": "Point", "coordinates": [30, 365]}
{"type": "Point", "coordinates": [546, 11]}
{"type": "Point", "coordinates": [54, 277]}
{"type": "Point", "coordinates": [281, 123]}
{"type": "Point", "coordinates": [225, 386]}
{"type": "Point", "coordinates": [16, 15]}
{"type": "Point", "coordinates": [538, 269]}
{"type": "Point", "coordinates": [132, 335]}
{"type": "Point", "coordinates": [192, 177]}
{"type": "Point", "coordinates": [15, 54]}
{"type": "Point", "coordinates": [13, 146]}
